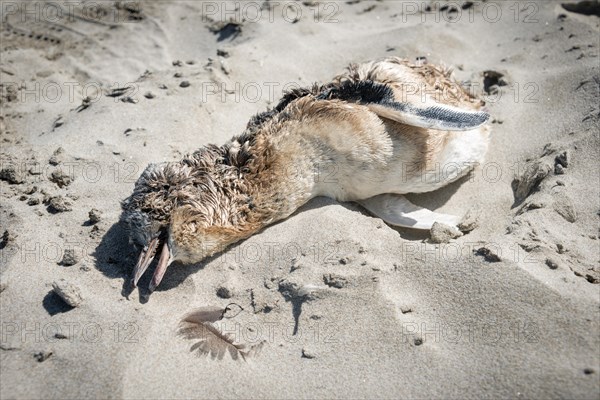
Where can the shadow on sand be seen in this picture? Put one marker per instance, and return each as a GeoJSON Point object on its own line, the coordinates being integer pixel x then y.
{"type": "Point", "coordinates": [115, 257]}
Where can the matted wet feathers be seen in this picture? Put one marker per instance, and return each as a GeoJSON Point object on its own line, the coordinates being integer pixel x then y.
{"type": "Point", "coordinates": [364, 119]}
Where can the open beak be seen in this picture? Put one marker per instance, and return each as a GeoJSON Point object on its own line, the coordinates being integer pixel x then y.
{"type": "Point", "coordinates": [163, 263]}
{"type": "Point", "coordinates": [146, 257]}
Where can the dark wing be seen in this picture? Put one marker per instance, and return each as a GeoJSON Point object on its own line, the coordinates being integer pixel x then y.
{"type": "Point", "coordinates": [379, 98]}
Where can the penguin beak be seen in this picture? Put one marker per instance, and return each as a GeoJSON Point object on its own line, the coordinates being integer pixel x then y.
{"type": "Point", "coordinates": [147, 256]}
{"type": "Point", "coordinates": [163, 263]}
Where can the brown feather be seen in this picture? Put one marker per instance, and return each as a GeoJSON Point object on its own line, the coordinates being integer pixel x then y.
{"type": "Point", "coordinates": [198, 325]}
{"type": "Point", "coordinates": [204, 314]}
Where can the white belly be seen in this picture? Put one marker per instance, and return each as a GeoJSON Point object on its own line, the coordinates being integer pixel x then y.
{"type": "Point", "coordinates": [402, 172]}
{"type": "Point", "coordinates": [462, 152]}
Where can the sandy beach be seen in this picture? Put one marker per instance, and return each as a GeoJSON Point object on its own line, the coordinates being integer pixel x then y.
{"type": "Point", "coordinates": [91, 92]}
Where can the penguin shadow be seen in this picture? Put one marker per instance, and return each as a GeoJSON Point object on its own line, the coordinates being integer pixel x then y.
{"type": "Point", "coordinates": [115, 257]}
{"type": "Point", "coordinates": [436, 199]}
{"type": "Point", "coordinates": [179, 272]}
{"type": "Point", "coordinates": [430, 200]}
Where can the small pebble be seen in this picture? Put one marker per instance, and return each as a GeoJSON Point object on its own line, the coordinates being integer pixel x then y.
{"type": "Point", "coordinates": [31, 190]}
{"type": "Point", "coordinates": [442, 233]}
{"type": "Point", "coordinates": [11, 174]}
{"type": "Point", "coordinates": [223, 53]}
{"type": "Point", "coordinates": [95, 215]}
{"type": "Point", "coordinates": [42, 356]}
{"type": "Point", "coordinates": [551, 264]}
{"type": "Point", "coordinates": [184, 84]}
{"type": "Point", "coordinates": [178, 75]}
{"type": "Point", "coordinates": [60, 178]}
{"type": "Point", "coordinates": [308, 353]}
{"type": "Point", "coordinates": [57, 156]}
{"type": "Point", "coordinates": [344, 260]}
{"type": "Point", "coordinates": [272, 282]}
{"type": "Point", "coordinates": [68, 292]}
{"type": "Point", "coordinates": [296, 265]}
{"type": "Point", "coordinates": [225, 67]}
{"type": "Point", "coordinates": [129, 99]}
{"type": "Point", "coordinates": [69, 258]}
{"type": "Point", "coordinates": [58, 204]}
{"type": "Point", "coordinates": [7, 237]}
{"type": "Point", "coordinates": [335, 281]}
{"type": "Point", "coordinates": [487, 254]}
{"type": "Point", "coordinates": [149, 95]}
{"type": "Point", "coordinates": [224, 292]}
{"type": "Point", "coordinates": [562, 159]}
{"type": "Point", "coordinates": [95, 232]}
{"type": "Point", "coordinates": [559, 169]}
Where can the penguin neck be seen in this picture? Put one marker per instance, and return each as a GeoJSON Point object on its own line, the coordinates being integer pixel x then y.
{"type": "Point", "coordinates": [284, 177]}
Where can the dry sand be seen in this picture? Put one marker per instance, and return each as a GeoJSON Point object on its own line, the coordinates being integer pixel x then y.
{"type": "Point", "coordinates": [509, 310]}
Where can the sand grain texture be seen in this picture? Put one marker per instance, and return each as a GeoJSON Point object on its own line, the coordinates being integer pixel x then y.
{"type": "Point", "coordinates": [377, 312]}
